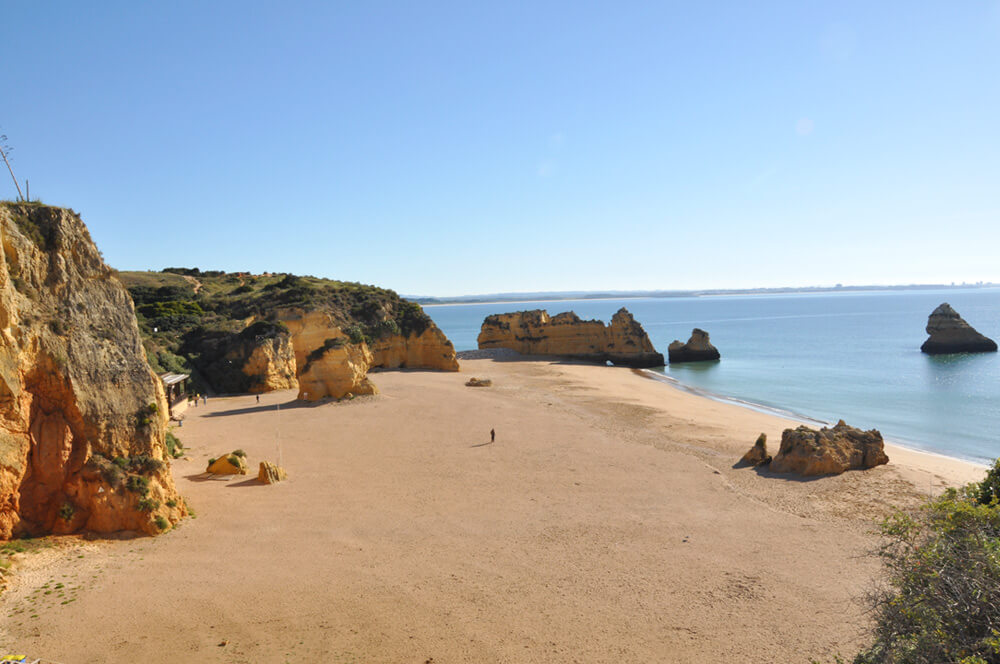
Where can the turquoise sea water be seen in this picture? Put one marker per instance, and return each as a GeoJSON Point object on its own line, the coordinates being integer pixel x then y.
{"type": "Point", "coordinates": [850, 355]}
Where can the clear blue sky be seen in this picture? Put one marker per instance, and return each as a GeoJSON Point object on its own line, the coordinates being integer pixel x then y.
{"type": "Point", "coordinates": [452, 148]}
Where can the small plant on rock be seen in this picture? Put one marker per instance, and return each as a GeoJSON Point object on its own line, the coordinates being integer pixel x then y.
{"type": "Point", "coordinates": [137, 484]}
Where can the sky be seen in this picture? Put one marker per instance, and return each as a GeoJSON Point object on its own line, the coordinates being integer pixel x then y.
{"type": "Point", "coordinates": [442, 148]}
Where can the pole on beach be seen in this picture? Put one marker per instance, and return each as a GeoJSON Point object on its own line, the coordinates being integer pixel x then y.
{"type": "Point", "coordinates": [277, 433]}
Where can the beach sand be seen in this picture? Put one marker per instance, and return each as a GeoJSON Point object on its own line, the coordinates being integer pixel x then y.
{"type": "Point", "coordinates": [605, 524]}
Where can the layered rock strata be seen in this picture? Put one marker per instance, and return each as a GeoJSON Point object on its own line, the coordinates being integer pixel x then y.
{"type": "Point", "coordinates": [623, 342]}
{"type": "Point", "coordinates": [949, 333]}
{"type": "Point", "coordinates": [829, 451]}
{"type": "Point", "coordinates": [697, 349]}
{"type": "Point", "coordinates": [332, 364]}
{"type": "Point", "coordinates": [82, 416]}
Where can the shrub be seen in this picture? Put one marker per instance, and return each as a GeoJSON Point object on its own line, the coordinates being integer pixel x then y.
{"type": "Point", "coordinates": [161, 523]}
{"type": "Point", "coordinates": [174, 446]}
{"type": "Point", "coordinates": [67, 511]}
{"type": "Point", "coordinates": [171, 503]}
{"type": "Point", "coordinates": [152, 408]}
{"type": "Point", "coordinates": [941, 598]}
{"type": "Point", "coordinates": [148, 504]}
{"type": "Point", "coordinates": [137, 484]}
{"type": "Point", "coordinates": [212, 460]}
{"type": "Point", "coordinates": [240, 453]}
{"type": "Point", "coordinates": [233, 460]}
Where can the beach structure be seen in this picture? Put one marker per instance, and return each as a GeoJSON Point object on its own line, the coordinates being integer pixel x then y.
{"type": "Point", "coordinates": [175, 386]}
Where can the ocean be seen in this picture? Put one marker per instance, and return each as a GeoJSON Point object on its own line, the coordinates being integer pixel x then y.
{"type": "Point", "coordinates": [818, 356]}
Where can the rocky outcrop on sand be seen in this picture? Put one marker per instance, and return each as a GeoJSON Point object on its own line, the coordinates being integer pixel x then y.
{"type": "Point", "coordinates": [697, 349]}
{"type": "Point", "coordinates": [257, 359]}
{"type": "Point", "coordinates": [234, 463]}
{"type": "Point", "coordinates": [757, 455]}
{"type": "Point", "coordinates": [828, 451]}
{"type": "Point", "coordinates": [331, 362]}
{"type": "Point", "coordinates": [82, 415]}
{"type": "Point", "coordinates": [623, 342]}
{"type": "Point", "coordinates": [479, 382]}
{"type": "Point", "coordinates": [270, 473]}
{"type": "Point", "coordinates": [949, 333]}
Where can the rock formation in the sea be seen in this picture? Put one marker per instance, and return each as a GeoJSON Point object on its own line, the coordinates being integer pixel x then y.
{"type": "Point", "coordinates": [623, 342]}
{"type": "Point", "coordinates": [333, 361]}
{"type": "Point", "coordinates": [697, 349]}
{"type": "Point", "coordinates": [82, 415]}
{"type": "Point", "coordinates": [757, 455]}
{"type": "Point", "coordinates": [257, 359]}
{"type": "Point", "coordinates": [269, 473]}
{"type": "Point", "coordinates": [949, 333]}
{"type": "Point", "coordinates": [828, 451]}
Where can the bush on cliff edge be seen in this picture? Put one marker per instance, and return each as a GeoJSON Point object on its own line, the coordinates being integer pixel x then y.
{"type": "Point", "coordinates": [940, 600]}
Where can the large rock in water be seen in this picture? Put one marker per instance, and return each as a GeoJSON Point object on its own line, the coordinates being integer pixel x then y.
{"type": "Point", "coordinates": [623, 342]}
{"type": "Point", "coordinates": [697, 349]}
{"type": "Point", "coordinates": [828, 451]}
{"type": "Point", "coordinates": [82, 416]}
{"type": "Point", "coordinates": [951, 334]}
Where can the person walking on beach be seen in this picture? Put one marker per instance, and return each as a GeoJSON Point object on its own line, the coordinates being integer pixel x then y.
{"type": "Point", "coordinates": [258, 398]}
{"type": "Point", "coordinates": [493, 435]}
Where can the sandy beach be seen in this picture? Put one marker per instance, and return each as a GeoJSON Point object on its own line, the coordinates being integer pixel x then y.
{"type": "Point", "coordinates": [607, 523]}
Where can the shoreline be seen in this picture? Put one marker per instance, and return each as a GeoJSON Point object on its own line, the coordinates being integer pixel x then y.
{"type": "Point", "coordinates": [908, 447]}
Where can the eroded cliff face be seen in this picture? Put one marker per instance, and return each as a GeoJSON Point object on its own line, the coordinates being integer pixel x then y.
{"type": "Point", "coordinates": [534, 332]}
{"type": "Point", "coordinates": [331, 364]}
{"type": "Point", "coordinates": [258, 359]}
{"type": "Point", "coordinates": [82, 416]}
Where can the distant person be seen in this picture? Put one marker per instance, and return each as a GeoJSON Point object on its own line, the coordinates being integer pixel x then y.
{"type": "Point", "coordinates": [493, 435]}
{"type": "Point", "coordinates": [204, 400]}
{"type": "Point", "coordinates": [258, 398]}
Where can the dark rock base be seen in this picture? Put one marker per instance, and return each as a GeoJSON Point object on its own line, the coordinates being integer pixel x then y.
{"type": "Point", "coordinates": [693, 356]}
{"type": "Point", "coordinates": [938, 348]}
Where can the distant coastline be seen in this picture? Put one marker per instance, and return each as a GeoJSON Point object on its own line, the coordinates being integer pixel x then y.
{"type": "Point", "coordinates": [571, 296]}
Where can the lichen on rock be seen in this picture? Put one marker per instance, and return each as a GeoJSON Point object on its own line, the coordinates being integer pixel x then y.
{"type": "Point", "coordinates": [78, 401]}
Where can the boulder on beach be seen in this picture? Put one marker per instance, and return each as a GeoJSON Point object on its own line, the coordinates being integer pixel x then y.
{"type": "Point", "coordinates": [757, 455]}
{"type": "Point", "coordinates": [270, 473]}
{"type": "Point", "coordinates": [949, 333]}
{"type": "Point", "coordinates": [478, 382]}
{"type": "Point", "coordinates": [233, 463]}
{"type": "Point", "coordinates": [828, 451]}
{"type": "Point", "coordinates": [697, 349]}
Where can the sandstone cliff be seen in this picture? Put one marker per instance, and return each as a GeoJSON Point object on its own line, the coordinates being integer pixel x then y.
{"type": "Point", "coordinates": [82, 416]}
{"type": "Point", "coordinates": [949, 333]}
{"type": "Point", "coordinates": [259, 358]}
{"type": "Point", "coordinates": [697, 349]}
{"type": "Point", "coordinates": [333, 363]}
{"type": "Point", "coordinates": [244, 332]}
{"type": "Point", "coordinates": [623, 342]}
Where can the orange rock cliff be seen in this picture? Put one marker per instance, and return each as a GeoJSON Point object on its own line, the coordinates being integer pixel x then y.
{"type": "Point", "coordinates": [82, 416]}
{"type": "Point", "coordinates": [331, 364]}
{"type": "Point", "coordinates": [534, 332]}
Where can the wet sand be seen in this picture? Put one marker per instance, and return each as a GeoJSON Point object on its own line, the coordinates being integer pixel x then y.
{"type": "Point", "coordinates": [605, 524]}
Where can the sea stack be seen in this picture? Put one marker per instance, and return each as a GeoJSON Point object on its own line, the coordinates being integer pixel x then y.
{"type": "Point", "coordinates": [623, 342]}
{"type": "Point", "coordinates": [697, 349]}
{"type": "Point", "coordinates": [951, 334]}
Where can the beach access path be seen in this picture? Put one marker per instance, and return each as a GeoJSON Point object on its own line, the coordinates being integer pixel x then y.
{"type": "Point", "coordinates": [605, 524]}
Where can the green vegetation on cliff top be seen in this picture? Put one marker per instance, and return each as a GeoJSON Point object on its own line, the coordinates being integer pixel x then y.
{"type": "Point", "coordinates": [187, 317]}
